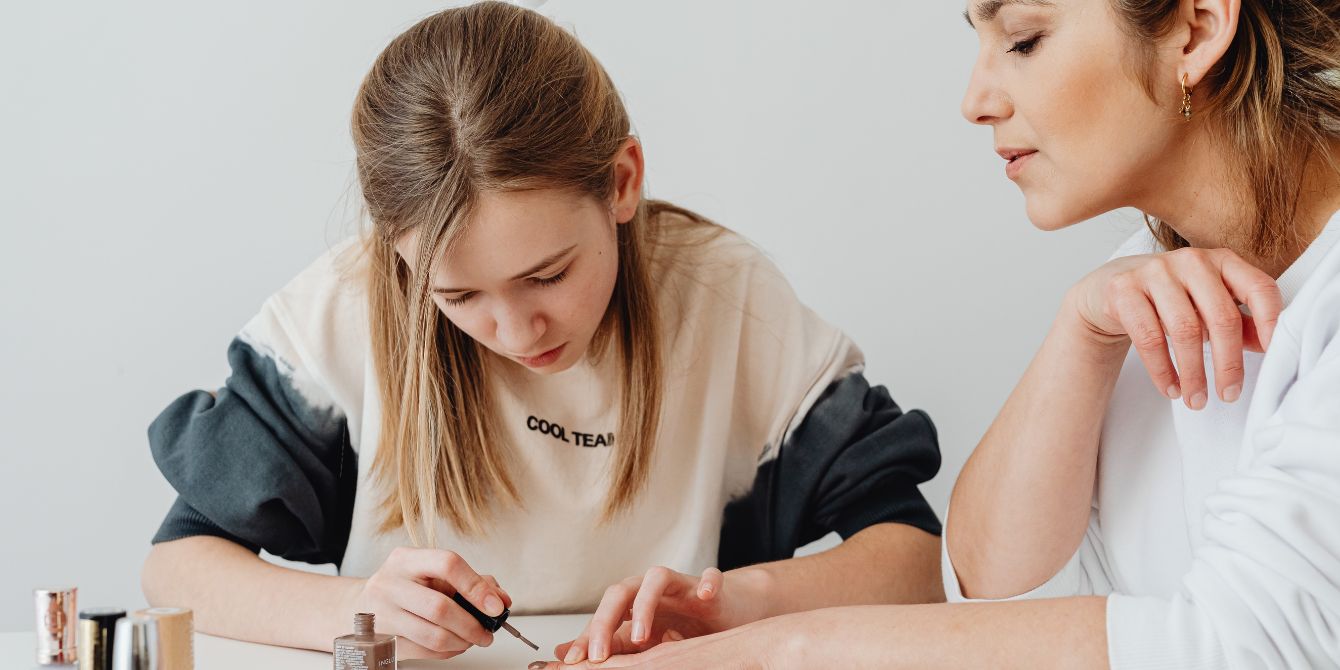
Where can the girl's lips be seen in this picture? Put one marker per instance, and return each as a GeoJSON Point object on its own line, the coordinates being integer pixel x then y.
{"type": "Point", "coordinates": [544, 359]}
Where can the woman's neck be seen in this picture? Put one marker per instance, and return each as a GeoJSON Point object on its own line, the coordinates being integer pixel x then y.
{"type": "Point", "coordinates": [1207, 204]}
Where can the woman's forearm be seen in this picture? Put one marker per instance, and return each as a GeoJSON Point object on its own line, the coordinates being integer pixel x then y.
{"type": "Point", "coordinates": [1032, 634]}
{"type": "Point", "coordinates": [885, 563]}
{"type": "Point", "coordinates": [236, 594]}
{"type": "Point", "coordinates": [1022, 501]}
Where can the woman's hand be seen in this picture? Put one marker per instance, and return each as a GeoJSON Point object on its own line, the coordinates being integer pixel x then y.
{"type": "Point", "coordinates": [411, 596]}
{"type": "Point", "coordinates": [664, 606]}
{"type": "Point", "coordinates": [778, 643]}
{"type": "Point", "coordinates": [1188, 295]}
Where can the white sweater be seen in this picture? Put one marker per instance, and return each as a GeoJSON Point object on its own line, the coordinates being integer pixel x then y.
{"type": "Point", "coordinates": [1216, 534]}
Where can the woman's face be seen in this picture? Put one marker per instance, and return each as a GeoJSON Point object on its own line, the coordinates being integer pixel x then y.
{"type": "Point", "coordinates": [1056, 81]}
{"type": "Point", "coordinates": [530, 277]}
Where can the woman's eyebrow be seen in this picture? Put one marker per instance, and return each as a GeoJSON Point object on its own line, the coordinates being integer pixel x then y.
{"type": "Point", "coordinates": [987, 11]}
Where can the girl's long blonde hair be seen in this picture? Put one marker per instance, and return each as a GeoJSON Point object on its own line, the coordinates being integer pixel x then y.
{"type": "Point", "coordinates": [484, 98]}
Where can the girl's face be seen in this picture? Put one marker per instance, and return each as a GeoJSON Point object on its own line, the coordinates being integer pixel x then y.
{"type": "Point", "coordinates": [1056, 81]}
{"type": "Point", "coordinates": [531, 276]}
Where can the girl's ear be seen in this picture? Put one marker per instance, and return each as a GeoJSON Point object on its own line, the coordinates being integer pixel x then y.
{"type": "Point", "coordinates": [628, 168]}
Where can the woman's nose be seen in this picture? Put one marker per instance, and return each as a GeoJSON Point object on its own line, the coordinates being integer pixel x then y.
{"type": "Point", "coordinates": [984, 102]}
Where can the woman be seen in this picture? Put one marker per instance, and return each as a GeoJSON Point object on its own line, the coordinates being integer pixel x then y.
{"type": "Point", "coordinates": [527, 369]}
{"type": "Point", "coordinates": [1187, 524]}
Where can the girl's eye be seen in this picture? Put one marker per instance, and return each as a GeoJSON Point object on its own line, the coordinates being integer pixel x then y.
{"type": "Point", "coordinates": [1025, 47]}
{"type": "Point", "coordinates": [550, 281]}
{"type": "Point", "coordinates": [460, 300]}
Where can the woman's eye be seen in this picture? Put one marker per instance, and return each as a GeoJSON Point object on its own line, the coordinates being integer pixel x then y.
{"type": "Point", "coordinates": [550, 281]}
{"type": "Point", "coordinates": [459, 300]}
{"type": "Point", "coordinates": [1025, 47]}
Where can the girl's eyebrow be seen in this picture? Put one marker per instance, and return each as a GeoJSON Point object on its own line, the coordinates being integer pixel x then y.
{"type": "Point", "coordinates": [545, 263]}
{"type": "Point", "coordinates": [987, 11]}
{"type": "Point", "coordinates": [550, 260]}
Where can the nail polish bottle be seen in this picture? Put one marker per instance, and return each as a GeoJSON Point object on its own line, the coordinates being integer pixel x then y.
{"type": "Point", "coordinates": [365, 649]}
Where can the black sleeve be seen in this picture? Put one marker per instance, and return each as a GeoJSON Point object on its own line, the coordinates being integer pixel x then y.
{"type": "Point", "coordinates": [854, 461]}
{"type": "Point", "coordinates": [258, 465]}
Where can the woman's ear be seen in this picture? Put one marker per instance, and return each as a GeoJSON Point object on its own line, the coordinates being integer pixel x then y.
{"type": "Point", "coordinates": [1207, 31]}
{"type": "Point", "coordinates": [628, 168]}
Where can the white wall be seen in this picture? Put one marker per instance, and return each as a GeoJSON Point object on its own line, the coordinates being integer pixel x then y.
{"type": "Point", "coordinates": [167, 165]}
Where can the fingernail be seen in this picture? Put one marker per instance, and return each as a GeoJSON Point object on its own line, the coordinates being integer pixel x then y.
{"type": "Point", "coordinates": [1198, 400]}
{"type": "Point", "coordinates": [597, 652]}
{"type": "Point", "coordinates": [639, 631]}
{"type": "Point", "coordinates": [674, 635]}
{"type": "Point", "coordinates": [1231, 393]}
{"type": "Point", "coordinates": [1174, 392]}
{"type": "Point", "coordinates": [707, 589]}
{"type": "Point", "coordinates": [574, 655]}
{"type": "Point", "coordinates": [492, 605]}
{"type": "Point", "coordinates": [537, 665]}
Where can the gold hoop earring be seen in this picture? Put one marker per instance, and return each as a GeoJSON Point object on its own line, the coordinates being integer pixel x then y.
{"type": "Point", "coordinates": [1186, 99]}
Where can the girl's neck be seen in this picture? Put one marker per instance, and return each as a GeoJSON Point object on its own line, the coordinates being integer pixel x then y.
{"type": "Point", "coordinates": [1206, 203]}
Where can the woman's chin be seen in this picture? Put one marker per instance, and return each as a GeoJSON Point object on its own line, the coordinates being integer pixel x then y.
{"type": "Point", "coordinates": [1046, 216]}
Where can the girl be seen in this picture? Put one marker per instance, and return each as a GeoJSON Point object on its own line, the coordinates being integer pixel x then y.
{"type": "Point", "coordinates": [1185, 524]}
{"type": "Point", "coordinates": [527, 369]}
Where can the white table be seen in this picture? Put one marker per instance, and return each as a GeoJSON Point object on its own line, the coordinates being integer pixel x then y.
{"type": "Point", "coordinates": [216, 653]}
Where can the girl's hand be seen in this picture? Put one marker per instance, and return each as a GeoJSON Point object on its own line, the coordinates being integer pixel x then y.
{"type": "Point", "coordinates": [662, 606]}
{"type": "Point", "coordinates": [778, 643]}
{"type": "Point", "coordinates": [1188, 295]}
{"type": "Point", "coordinates": [411, 596]}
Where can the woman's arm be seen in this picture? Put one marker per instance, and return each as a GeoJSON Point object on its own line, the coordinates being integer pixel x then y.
{"type": "Point", "coordinates": [1021, 503]}
{"type": "Point", "coordinates": [236, 594]}
{"type": "Point", "coordinates": [885, 563]}
{"type": "Point", "coordinates": [1035, 634]}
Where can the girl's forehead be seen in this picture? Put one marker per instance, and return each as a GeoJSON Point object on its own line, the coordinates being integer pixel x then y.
{"type": "Point", "coordinates": [509, 233]}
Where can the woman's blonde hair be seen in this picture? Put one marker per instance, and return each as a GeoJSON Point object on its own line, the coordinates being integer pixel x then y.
{"type": "Point", "coordinates": [486, 98]}
{"type": "Point", "coordinates": [1275, 97]}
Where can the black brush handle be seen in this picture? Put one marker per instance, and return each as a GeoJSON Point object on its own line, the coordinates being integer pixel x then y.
{"type": "Point", "coordinates": [490, 623]}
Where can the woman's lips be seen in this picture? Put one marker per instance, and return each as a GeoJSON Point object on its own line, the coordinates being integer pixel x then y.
{"type": "Point", "coordinates": [1017, 159]}
{"type": "Point", "coordinates": [545, 359]}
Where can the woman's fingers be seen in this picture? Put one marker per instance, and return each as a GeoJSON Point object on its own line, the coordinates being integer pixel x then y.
{"type": "Point", "coordinates": [1182, 323]}
{"type": "Point", "coordinates": [1222, 321]}
{"type": "Point", "coordinates": [1178, 300]}
{"type": "Point", "coordinates": [1142, 325]}
{"type": "Point", "coordinates": [1254, 288]}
